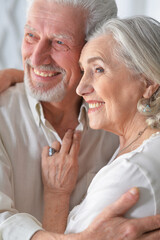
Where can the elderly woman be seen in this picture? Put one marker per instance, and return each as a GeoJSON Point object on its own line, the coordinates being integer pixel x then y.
{"type": "Point", "coordinates": [120, 83]}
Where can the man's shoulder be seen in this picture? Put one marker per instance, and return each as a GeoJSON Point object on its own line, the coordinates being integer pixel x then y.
{"type": "Point", "coordinates": [103, 142]}
{"type": "Point", "coordinates": [12, 95]}
{"type": "Point", "coordinates": [13, 101]}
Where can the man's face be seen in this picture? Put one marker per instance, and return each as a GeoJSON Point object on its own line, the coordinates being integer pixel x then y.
{"type": "Point", "coordinates": [53, 39]}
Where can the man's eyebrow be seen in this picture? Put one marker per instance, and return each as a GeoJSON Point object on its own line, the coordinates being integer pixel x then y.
{"type": "Point", "coordinates": [30, 28]}
{"type": "Point", "coordinates": [62, 36]}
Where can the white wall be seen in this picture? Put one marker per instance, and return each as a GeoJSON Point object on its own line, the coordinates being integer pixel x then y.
{"type": "Point", "coordinates": [139, 7]}
{"type": "Point", "coordinates": [12, 19]}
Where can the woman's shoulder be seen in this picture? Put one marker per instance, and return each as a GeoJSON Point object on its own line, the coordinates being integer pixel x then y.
{"type": "Point", "coordinates": [148, 150]}
{"type": "Point", "coordinates": [148, 153]}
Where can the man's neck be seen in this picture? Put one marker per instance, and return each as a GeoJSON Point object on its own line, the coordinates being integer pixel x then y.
{"type": "Point", "coordinates": [61, 116]}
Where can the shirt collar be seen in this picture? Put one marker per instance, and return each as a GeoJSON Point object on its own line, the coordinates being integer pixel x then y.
{"type": "Point", "coordinates": [37, 111]}
{"type": "Point", "coordinates": [83, 116]}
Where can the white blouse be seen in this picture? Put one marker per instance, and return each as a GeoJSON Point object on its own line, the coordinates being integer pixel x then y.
{"type": "Point", "coordinates": [139, 168]}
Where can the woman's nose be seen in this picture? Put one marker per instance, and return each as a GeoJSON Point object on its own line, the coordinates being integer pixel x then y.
{"type": "Point", "coordinates": [84, 87]}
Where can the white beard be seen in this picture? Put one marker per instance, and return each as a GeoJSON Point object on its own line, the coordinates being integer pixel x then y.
{"type": "Point", "coordinates": [54, 94]}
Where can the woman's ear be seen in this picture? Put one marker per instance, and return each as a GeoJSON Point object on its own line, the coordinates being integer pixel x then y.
{"type": "Point", "coordinates": [151, 88]}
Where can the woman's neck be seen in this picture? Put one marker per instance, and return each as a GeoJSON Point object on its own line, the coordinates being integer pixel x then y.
{"type": "Point", "coordinates": [135, 135]}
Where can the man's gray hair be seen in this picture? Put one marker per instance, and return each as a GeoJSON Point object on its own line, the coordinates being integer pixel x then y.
{"type": "Point", "coordinates": [138, 47]}
{"type": "Point", "coordinates": [98, 10]}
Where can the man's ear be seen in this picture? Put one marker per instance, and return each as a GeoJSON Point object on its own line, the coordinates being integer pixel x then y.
{"type": "Point", "coordinates": [151, 88]}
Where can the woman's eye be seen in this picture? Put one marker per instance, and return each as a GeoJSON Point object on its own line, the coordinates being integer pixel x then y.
{"type": "Point", "coordinates": [99, 70]}
{"type": "Point", "coordinates": [82, 72]}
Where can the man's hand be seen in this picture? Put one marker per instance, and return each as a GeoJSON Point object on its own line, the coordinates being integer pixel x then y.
{"type": "Point", "coordinates": [9, 77]}
{"type": "Point", "coordinates": [110, 224]}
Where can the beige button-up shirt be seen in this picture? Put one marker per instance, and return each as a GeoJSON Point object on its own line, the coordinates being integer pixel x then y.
{"type": "Point", "coordinates": [24, 131]}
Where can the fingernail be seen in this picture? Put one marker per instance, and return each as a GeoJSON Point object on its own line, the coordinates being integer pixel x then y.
{"type": "Point", "coordinates": [78, 131]}
{"type": "Point", "coordinates": [134, 191]}
{"type": "Point", "coordinates": [77, 134]}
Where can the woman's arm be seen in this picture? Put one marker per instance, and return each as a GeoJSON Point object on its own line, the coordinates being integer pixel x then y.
{"type": "Point", "coordinates": [59, 174]}
{"type": "Point", "coordinates": [110, 224]}
{"type": "Point", "coordinates": [107, 186]}
{"type": "Point", "coordinates": [9, 77]}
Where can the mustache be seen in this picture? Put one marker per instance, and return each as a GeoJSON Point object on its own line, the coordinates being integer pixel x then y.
{"type": "Point", "coordinates": [47, 67]}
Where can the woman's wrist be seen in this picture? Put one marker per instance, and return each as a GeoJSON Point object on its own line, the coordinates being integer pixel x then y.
{"type": "Point", "coordinates": [50, 194]}
{"type": "Point", "coordinates": [56, 210]}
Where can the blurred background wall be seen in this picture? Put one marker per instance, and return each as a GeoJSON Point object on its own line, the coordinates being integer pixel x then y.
{"type": "Point", "coordinates": [12, 19]}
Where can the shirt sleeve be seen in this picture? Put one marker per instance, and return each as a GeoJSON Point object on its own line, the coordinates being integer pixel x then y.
{"type": "Point", "coordinates": [107, 186]}
{"type": "Point", "coordinates": [13, 225]}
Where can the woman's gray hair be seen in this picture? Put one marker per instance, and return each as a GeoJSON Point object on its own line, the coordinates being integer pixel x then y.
{"type": "Point", "coordinates": [99, 10]}
{"type": "Point", "coordinates": [138, 47]}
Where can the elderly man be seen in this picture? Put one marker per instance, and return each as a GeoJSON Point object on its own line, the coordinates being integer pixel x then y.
{"type": "Point", "coordinates": [41, 112]}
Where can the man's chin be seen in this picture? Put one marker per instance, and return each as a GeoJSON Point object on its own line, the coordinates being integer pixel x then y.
{"type": "Point", "coordinates": [40, 92]}
{"type": "Point", "coordinates": [54, 94]}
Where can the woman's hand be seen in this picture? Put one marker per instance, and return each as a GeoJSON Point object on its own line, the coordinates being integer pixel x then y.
{"type": "Point", "coordinates": [9, 77]}
{"type": "Point", "coordinates": [59, 172]}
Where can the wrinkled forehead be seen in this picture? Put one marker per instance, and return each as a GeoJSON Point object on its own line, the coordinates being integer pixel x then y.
{"type": "Point", "coordinates": [50, 10]}
{"type": "Point", "coordinates": [52, 14]}
{"type": "Point", "coordinates": [98, 49]}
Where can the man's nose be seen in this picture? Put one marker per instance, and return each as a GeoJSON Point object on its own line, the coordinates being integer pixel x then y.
{"type": "Point", "coordinates": [85, 86]}
{"type": "Point", "coordinates": [42, 53]}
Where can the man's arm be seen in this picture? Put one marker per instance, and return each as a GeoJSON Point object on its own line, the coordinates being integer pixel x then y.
{"type": "Point", "coordinates": [110, 224]}
{"type": "Point", "coordinates": [9, 77]}
{"type": "Point", "coordinates": [13, 224]}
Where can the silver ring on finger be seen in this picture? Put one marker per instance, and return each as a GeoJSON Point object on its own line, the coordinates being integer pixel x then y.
{"type": "Point", "coordinates": [51, 151]}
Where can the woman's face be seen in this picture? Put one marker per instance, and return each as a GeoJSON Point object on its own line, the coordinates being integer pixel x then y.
{"type": "Point", "coordinates": [109, 88]}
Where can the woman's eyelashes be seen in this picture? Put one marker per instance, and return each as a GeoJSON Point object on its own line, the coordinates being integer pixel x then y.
{"type": "Point", "coordinates": [93, 70]}
{"type": "Point", "coordinates": [82, 71]}
{"type": "Point", "coordinates": [99, 70]}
